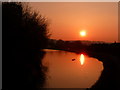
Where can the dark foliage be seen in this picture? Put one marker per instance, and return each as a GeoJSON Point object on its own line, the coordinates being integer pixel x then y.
{"type": "Point", "coordinates": [25, 33]}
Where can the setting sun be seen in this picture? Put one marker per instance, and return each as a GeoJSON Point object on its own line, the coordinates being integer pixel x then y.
{"type": "Point", "coordinates": [82, 33]}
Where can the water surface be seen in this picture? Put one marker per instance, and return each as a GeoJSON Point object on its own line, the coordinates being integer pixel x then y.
{"type": "Point", "coordinates": [66, 71]}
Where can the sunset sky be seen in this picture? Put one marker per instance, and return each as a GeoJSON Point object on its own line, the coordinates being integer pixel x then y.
{"type": "Point", "coordinates": [67, 19]}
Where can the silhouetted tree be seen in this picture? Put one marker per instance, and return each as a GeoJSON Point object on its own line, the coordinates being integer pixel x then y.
{"type": "Point", "coordinates": [25, 33]}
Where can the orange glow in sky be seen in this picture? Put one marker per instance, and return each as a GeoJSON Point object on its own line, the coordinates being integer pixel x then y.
{"type": "Point", "coordinates": [66, 19]}
{"type": "Point", "coordinates": [82, 59]}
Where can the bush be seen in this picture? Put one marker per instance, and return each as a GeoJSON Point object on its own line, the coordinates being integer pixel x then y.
{"type": "Point", "coordinates": [25, 33]}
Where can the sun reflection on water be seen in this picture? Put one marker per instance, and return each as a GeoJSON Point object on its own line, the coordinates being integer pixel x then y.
{"type": "Point", "coordinates": [82, 59]}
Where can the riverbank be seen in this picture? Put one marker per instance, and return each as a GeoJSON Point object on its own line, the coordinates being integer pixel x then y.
{"type": "Point", "coordinates": [110, 76]}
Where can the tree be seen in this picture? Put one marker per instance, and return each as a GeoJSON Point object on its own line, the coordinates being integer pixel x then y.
{"type": "Point", "coordinates": [25, 33]}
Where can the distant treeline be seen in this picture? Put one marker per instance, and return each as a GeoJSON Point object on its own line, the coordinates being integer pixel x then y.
{"type": "Point", "coordinates": [78, 46]}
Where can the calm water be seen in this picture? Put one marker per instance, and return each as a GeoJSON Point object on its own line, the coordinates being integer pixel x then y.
{"type": "Point", "coordinates": [66, 71]}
